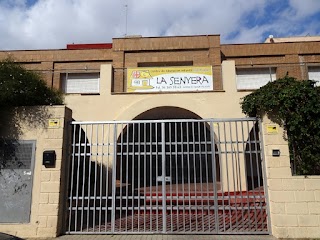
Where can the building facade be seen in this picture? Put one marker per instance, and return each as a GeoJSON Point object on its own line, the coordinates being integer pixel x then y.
{"type": "Point", "coordinates": [176, 99]}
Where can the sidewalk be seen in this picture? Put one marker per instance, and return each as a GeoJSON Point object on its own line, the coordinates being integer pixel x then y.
{"type": "Point", "coordinates": [162, 237]}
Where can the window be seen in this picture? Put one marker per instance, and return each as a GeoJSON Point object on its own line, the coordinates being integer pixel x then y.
{"type": "Point", "coordinates": [254, 78]}
{"type": "Point", "coordinates": [87, 83]}
{"type": "Point", "coordinates": [314, 74]}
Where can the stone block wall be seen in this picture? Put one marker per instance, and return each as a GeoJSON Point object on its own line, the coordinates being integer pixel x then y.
{"type": "Point", "coordinates": [49, 183]}
{"type": "Point", "coordinates": [294, 201]}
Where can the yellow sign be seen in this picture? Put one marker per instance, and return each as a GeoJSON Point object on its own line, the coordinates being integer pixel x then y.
{"type": "Point", "coordinates": [53, 123]}
{"type": "Point", "coordinates": [169, 79]}
{"type": "Point", "coordinates": [272, 129]}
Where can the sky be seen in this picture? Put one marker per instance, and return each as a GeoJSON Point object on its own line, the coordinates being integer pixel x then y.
{"type": "Point", "coordinates": [51, 24]}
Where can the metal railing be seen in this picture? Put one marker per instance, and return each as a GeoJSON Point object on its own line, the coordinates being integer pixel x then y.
{"type": "Point", "coordinates": [167, 176]}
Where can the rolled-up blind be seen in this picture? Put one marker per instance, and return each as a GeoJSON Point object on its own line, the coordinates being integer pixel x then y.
{"type": "Point", "coordinates": [250, 79]}
{"type": "Point", "coordinates": [314, 74]}
{"type": "Point", "coordinates": [81, 82]}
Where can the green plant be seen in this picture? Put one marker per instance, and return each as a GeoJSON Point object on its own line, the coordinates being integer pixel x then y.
{"type": "Point", "coordinates": [22, 87]}
{"type": "Point", "coordinates": [295, 105]}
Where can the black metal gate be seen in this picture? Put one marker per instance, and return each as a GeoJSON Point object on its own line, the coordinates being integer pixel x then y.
{"type": "Point", "coordinates": [167, 176]}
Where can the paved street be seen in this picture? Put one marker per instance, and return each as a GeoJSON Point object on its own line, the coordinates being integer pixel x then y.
{"type": "Point", "coordinates": [163, 237]}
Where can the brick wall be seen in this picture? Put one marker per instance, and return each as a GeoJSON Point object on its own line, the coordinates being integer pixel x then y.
{"type": "Point", "coordinates": [291, 58]}
{"type": "Point", "coordinates": [200, 50]}
{"type": "Point", "coordinates": [294, 201]}
{"type": "Point", "coordinates": [50, 63]}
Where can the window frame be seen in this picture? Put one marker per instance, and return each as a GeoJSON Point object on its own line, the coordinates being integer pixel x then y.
{"type": "Point", "coordinates": [80, 78]}
{"type": "Point", "coordinates": [272, 73]}
{"type": "Point", "coordinates": [314, 67]}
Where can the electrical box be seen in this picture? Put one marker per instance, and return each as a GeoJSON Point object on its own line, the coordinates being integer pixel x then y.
{"type": "Point", "coordinates": [275, 152]}
{"type": "Point", "coordinates": [49, 158]}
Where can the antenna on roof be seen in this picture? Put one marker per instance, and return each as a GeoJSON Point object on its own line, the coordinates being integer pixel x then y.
{"type": "Point", "coordinates": [126, 9]}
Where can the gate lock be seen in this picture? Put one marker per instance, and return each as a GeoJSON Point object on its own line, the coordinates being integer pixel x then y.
{"type": "Point", "coordinates": [166, 179]}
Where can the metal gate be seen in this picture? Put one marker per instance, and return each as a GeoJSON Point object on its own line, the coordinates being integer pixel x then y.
{"type": "Point", "coordinates": [167, 176]}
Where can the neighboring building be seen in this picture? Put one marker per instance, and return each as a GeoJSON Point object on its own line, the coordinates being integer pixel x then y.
{"type": "Point", "coordinates": [194, 80]}
{"type": "Point", "coordinates": [272, 39]}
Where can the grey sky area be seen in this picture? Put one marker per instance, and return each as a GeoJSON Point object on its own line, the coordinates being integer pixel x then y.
{"type": "Point", "coordinates": [42, 24]}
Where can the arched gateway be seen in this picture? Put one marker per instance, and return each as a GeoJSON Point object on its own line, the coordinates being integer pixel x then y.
{"type": "Point", "coordinates": [167, 171]}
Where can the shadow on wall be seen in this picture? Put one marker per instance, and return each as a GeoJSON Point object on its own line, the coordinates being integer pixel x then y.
{"type": "Point", "coordinates": [17, 161]}
{"type": "Point", "coordinates": [12, 123]}
{"type": "Point", "coordinates": [89, 184]}
{"type": "Point", "coordinates": [253, 159]}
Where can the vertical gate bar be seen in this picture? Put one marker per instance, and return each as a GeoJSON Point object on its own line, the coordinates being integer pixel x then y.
{"type": "Point", "coordinates": [100, 145]}
{"type": "Point", "coordinates": [177, 172]}
{"type": "Point", "coordinates": [227, 167]}
{"type": "Point", "coordinates": [78, 184]}
{"type": "Point", "coordinates": [133, 175]}
{"type": "Point", "coordinates": [245, 142]}
{"type": "Point", "coordinates": [216, 150]}
{"type": "Point", "coordinates": [120, 173]}
{"type": "Point", "coordinates": [239, 174]}
{"type": "Point", "coordinates": [163, 156]}
{"type": "Point", "coordinates": [252, 142]}
{"type": "Point", "coordinates": [83, 175]}
{"type": "Point", "coordinates": [107, 177]}
{"type": "Point", "coordinates": [73, 127]}
{"type": "Point", "coordinates": [157, 174]}
{"type": "Point", "coordinates": [101, 177]}
{"type": "Point", "coordinates": [194, 173]}
{"type": "Point", "coordinates": [222, 187]}
{"type": "Point", "coordinates": [254, 153]}
{"type": "Point", "coordinates": [214, 176]}
{"type": "Point", "coordinates": [114, 178]}
{"type": "Point", "coordinates": [251, 171]}
{"type": "Point", "coordinates": [139, 164]}
{"type": "Point", "coordinates": [127, 177]}
{"type": "Point", "coordinates": [89, 178]}
{"type": "Point", "coordinates": [139, 173]}
{"type": "Point", "coordinates": [170, 173]}
{"type": "Point", "coordinates": [234, 176]}
{"type": "Point", "coordinates": [205, 142]}
{"type": "Point", "coordinates": [182, 177]}
{"type": "Point", "coordinates": [189, 176]}
{"type": "Point", "coordinates": [201, 180]}
{"type": "Point", "coordinates": [264, 175]}
{"type": "Point", "coordinates": [258, 169]}
{"type": "Point", "coordinates": [145, 176]}
{"type": "Point", "coordinates": [95, 180]}
{"type": "Point", "coordinates": [151, 177]}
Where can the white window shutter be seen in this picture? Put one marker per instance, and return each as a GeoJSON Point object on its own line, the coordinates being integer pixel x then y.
{"type": "Point", "coordinates": [250, 79]}
{"type": "Point", "coordinates": [81, 82]}
{"type": "Point", "coordinates": [314, 74]}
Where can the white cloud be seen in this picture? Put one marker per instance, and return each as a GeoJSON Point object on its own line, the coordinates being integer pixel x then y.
{"type": "Point", "coordinates": [304, 8]}
{"type": "Point", "coordinates": [54, 23]}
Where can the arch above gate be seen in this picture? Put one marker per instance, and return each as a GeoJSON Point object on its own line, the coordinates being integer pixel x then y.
{"type": "Point", "coordinates": [184, 103]}
{"type": "Point", "coordinates": [167, 112]}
